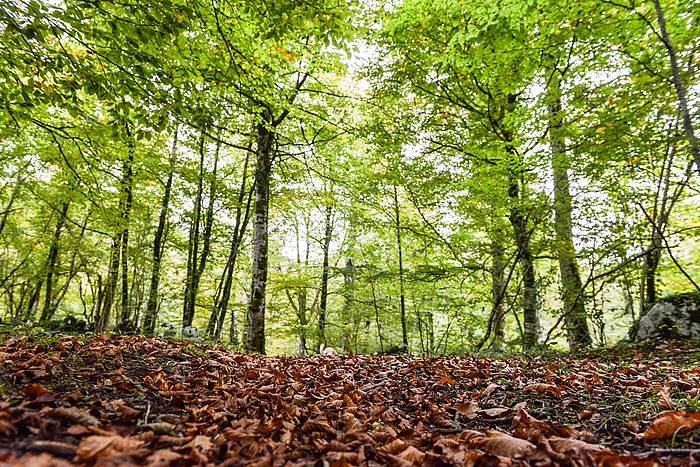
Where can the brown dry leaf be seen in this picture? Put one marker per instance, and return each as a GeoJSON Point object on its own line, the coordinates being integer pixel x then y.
{"type": "Point", "coordinates": [563, 445]}
{"type": "Point", "coordinates": [468, 409]}
{"type": "Point", "coordinates": [503, 444]}
{"type": "Point", "coordinates": [126, 410]}
{"type": "Point", "coordinates": [35, 390]}
{"type": "Point", "coordinates": [94, 447]}
{"type": "Point", "coordinates": [667, 423]}
{"type": "Point", "coordinates": [546, 428]}
{"type": "Point", "coordinates": [395, 446]}
{"type": "Point", "coordinates": [489, 389]}
{"type": "Point", "coordinates": [163, 458]}
{"type": "Point", "coordinates": [665, 398]}
{"type": "Point", "coordinates": [41, 460]}
{"type": "Point", "coordinates": [543, 388]}
{"type": "Point", "coordinates": [74, 415]}
{"type": "Point", "coordinates": [319, 424]}
{"type": "Point", "coordinates": [495, 411]}
{"type": "Point", "coordinates": [57, 448]}
{"type": "Point", "coordinates": [78, 430]}
{"type": "Point", "coordinates": [411, 454]}
{"type": "Point", "coordinates": [446, 380]}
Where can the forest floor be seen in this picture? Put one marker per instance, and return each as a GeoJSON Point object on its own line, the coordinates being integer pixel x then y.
{"type": "Point", "coordinates": [124, 400]}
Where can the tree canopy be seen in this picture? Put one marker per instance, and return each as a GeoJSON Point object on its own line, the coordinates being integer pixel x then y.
{"type": "Point", "coordinates": [432, 176]}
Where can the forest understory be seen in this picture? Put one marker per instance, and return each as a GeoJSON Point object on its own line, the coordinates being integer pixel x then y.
{"type": "Point", "coordinates": [127, 400]}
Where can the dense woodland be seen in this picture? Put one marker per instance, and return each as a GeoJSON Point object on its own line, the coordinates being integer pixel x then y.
{"type": "Point", "coordinates": [441, 175]}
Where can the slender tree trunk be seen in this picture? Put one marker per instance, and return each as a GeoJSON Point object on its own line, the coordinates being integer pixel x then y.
{"type": "Point", "coordinates": [10, 202]}
{"type": "Point", "coordinates": [678, 85]}
{"type": "Point", "coordinates": [324, 277]}
{"type": "Point", "coordinates": [527, 267]}
{"type": "Point", "coordinates": [255, 332]}
{"type": "Point", "coordinates": [349, 293]}
{"type": "Point", "coordinates": [113, 275]}
{"type": "Point", "coordinates": [402, 295]}
{"type": "Point", "coordinates": [200, 265]}
{"type": "Point", "coordinates": [151, 315]}
{"type": "Point", "coordinates": [193, 243]}
{"type": "Point", "coordinates": [110, 287]}
{"type": "Point", "coordinates": [522, 234]}
{"type": "Point", "coordinates": [578, 335]}
{"type": "Point", "coordinates": [377, 321]}
{"type": "Point", "coordinates": [223, 295]}
{"type": "Point", "coordinates": [128, 187]}
{"type": "Point", "coordinates": [51, 262]}
{"type": "Point", "coordinates": [222, 305]}
{"type": "Point", "coordinates": [497, 291]}
{"type": "Point", "coordinates": [33, 302]}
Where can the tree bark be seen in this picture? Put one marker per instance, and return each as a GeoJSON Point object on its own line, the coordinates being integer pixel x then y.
{"type": "Point", "coordinates": [399, 245]}
{"type": "Point", "coordinates": [223, 297]}
{"type": "Point", "coordinates": [518, 220]}
{"type": "Point", "coordinates": [199, 265]}
{"type": "Point", "coordinates": [255, 332]}
{"type": "Point", "coordinates": [349, 293]}
{"type": "Point", "coordinates": [151, 315]}
{"type": "Point", "coordinates": [323, 306]}
{"type": "Point", "coordinates": [113, 275]}
{"type": "Point", "coordinates": [193, 243]}
{"type": "Point", "coordinates": [681, 91]}
{"type": "Point", "coordinates": [48, 309]}
{"type": "Point", "coordinates": [497, 290]}
{"type": "Point", "coordinates": [577, 331]}
{"type": "Point", "coordinates": [128, 188]}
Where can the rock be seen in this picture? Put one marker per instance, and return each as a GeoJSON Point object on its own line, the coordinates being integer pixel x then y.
{"type": "Point", "coordinates": [190, 332]}
{"type": "Point", "coordinates": [327, 351]}
{"type": "Point", "coordinates": [672, 317]}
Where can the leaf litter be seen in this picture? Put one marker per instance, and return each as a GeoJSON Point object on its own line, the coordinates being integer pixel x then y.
{"type": "Point", "coordinates": [127, 400]}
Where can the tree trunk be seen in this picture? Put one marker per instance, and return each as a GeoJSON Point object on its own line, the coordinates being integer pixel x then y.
{"type": "Point", "coordinates": [151, 316]}
{"type": "Point", "coordinates": [678, 85]}
{"type": "Point", "coordinates": [349, 293]}
{"type": "Point", "coordinates": [324, 277]}
{"type": "Point", "coordinates": [223, 294]}
{"type": "Point", "coordinates": [193, 243]}
{"type": "Point", "coordinates": [200, 265]}
{"type": "Point", "coordinates": [578, 335]}
{"type": "Point", "coordinates": [122, 226]}
{"type": "Point", "coordinates": [110, 287]}
{"type": "Point", "coordinates": [498, 286]}
{"type": "Point", "coordinates": [128, 188]}
{"type": "Point", "coordinates": [255, 332]}
{"type": "Point", "coordinates": [48, 309]}
{"type": "Point", "coordinates": [377, 321]}
{"type": "Point", "coordinates": [522, 234]}
{"type": "Point", "coordinates": [402, 294]}
{"type": "Point", "coordinates": [527, 267]}
{"type": "Point", "coordinates": [10, 202]}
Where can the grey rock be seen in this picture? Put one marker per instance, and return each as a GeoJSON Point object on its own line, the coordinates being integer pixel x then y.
{"type": "Point", "coordinates": [677, 316]}
{"type": "Point", "coordinates": [190, 332]}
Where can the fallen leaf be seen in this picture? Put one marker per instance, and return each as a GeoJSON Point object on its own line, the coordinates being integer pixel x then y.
{"type": "Point", "coordinates": [468, 409]}
{"type": "Point", "coordinates": [665, 398]}
{"type": "Point", "coordinates": [411, 454]}
{"type": "Point", "coordinates": [35, 390]}
{"type": "Point", "coordinates": [57, 448]}
{"type": "Point", "coordinates": [163, 458]}
{"type": "Point", "coordinates": [74, 415]}
{"type": "Point", "coordinates": [94, 447]}
{"type": "Point", "coordinates": [495, 411]}
{"type": "Point", "coordinates": [667, 423]}
{"type": "Point", "coordinates": [543, 388]}
{"type": "Point", "coordinates": [503, 444]}
{"type": "Point", "coordinates": [563, 445]}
